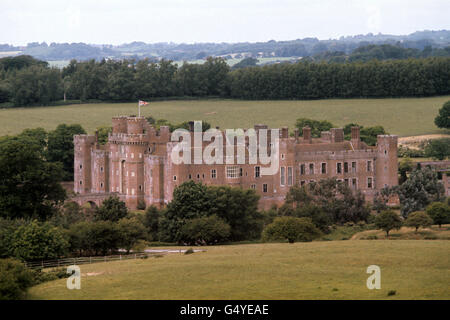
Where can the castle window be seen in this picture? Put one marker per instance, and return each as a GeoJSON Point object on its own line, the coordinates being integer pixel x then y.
{"type": "Point", "coordinates": [354, 183]}
{"type": "Point", "coordinates": [253, 186]}
{"type": "Point", "coordinates": [324, 168]}
{"type": "Point", "coordinates": [302, 169]}
{"type": "Point", "coordinates": [257, 172]}
{"type": "Point", "coordinates": [339, 167]}
{"type": "Point", "coordinates": [101, 169]}
{"type": "Point", "coordinates": [203, 176]}
{"type": "Point", "coordinates": [81, 182]}
{"type": "Point", "coordinates": [132, 173]}
{"type": "Point", "coordinates": [282, 156]}
{"type": "Point", "coordinates": [241, 172]}
{"type": "Point", "coordinates": [311, 168]}
{"type": "Point", "coordinates": [140, 187]}
{"type": "Point", "coordinates": [198, 176]}
{"type": "Point", "coordinates": [282, 176]}
{"type": "Point", "coordinates": [140, 155]}
{"type": "Point", "coordinates": [232, 172]}
{"type": "Point", "coordinates": [345, 167]}
{"type": "Point", "coordinates": [132, 191]}
{"type": "Point", "coordinates": [265, 187]}
{"type": "Point", "coordinates": [81, 166]}
{"type": "Point", "coordinates": [101, 185]}
{"type": "Point", "coordinates": [290, 176]}
{"type": "Point", "coordinates": [346, 182]}
{"type": "Point", "coordinates": [369, 166]}
{"type": "Point", "coordinates": [132, 155]}
{"type": "Point", "coordinates": [369, 183]}
{"type": "Point", "coordinates": [213, 173]}
{"type": "Point", "coordinates": [302, 183]}
{"type": "Point", "coordinates": [385, 151]}
{"type": "Point", "coordinates": [353, 166]}
{"type": "Point", "coordinates": [174, 178]}
{"type": "Point", "coordinates": [190, 176]}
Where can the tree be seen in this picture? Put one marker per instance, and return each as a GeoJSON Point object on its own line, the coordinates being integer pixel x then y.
{"type": "Point", "coordinates": [438, 148]}
{"type": "Point", "coordinates": [104, 237]}
{"type": "Point", "coordinates": [405, 165]}
{"type": "Point", "coordinates": [29, 185]}
{"type": "Point", "coordinates": [151, 222]}
{"type": "Point", "coordinates": [420, 189]}
{"type": "Point", "coordinates": [61, 149]}
{"type": "Point", "coordinates": [442, 120]}
{"type": "Point", "coordinates": [35, 241]}
{"type": "Point", "coordinates": [112, 209]}
{"type": "Point", "coordinates": [15, 279]}
{"type": "Point", "coordinates": [291, 229]}
{"type": "Point", "coordinates": [439, 212]}
{"type": "Point", "coordinates": [205, 230]}
{"type": "Point", "coordinates": [317, 126]}
{"type": "Point", "coordinates": [388, 220]}
{"type": "Point", "coordinates": [102, 133]}
{"type": "Point", "coordinates": [131, 230]}
{"type": "Point", "coordinates": [418, 219]}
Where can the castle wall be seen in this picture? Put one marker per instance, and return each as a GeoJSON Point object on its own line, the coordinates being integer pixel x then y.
{"type": "Point", "coordinates": [136, 164]}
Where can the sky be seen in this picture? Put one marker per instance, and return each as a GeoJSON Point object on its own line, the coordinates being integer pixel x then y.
{"type": "Point", "coordinates": [190, 21]}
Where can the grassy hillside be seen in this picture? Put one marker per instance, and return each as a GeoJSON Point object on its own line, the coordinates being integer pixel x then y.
{"type": "Point", "coordinates": [319, 270]}
{"type": "Point", "coordinates": [405, 117]}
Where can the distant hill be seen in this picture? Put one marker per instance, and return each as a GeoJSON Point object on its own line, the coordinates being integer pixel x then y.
{"type": "Point", "coordinates": [307, 47]}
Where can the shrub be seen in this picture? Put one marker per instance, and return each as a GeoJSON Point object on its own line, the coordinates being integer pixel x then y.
{"type": "Point", "coordinates": [392, 293]}
{"type": "Point", "coordinates": [418, 219]}
{"type": "Point", "coordinates": [291, 229]}
{"type": "Point", "coordinates": [439, 212]}
{"type": "Point", "coordinates": [112, 209]}
{"type": "Point", "coordinates": [388, 220]}
{"type": "Point", "coordinates": [189, 251]}
{"type": "Point", "coordinates": [141, 205]}
{"type": "Point", "coordinates": [205, 230]}
{"type": "Point", "coordinates": [15, 279]}
{"type": "Point", "coordinates": [39, 241]}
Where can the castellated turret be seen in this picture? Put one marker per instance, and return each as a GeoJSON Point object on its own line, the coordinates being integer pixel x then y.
{"type": "Point", "coordinates": [387, 161]}
{"type": "Point", "coordinates": [83, 145]}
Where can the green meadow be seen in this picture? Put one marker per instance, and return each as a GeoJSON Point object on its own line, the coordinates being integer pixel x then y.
{"type": "Point", "coordinates": [414, 269]}
{"type": "Point", "coordinates": [401, 116]}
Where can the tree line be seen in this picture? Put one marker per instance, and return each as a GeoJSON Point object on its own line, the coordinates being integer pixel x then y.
{"type": "Point", "coordinates": [35, 83]}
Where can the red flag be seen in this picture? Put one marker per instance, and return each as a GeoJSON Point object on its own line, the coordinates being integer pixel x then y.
{"type": "Point", "coordinates": [142, 103]}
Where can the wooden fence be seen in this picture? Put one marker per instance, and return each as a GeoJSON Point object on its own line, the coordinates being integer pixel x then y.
{"type": "Point", "coordinates": [87, 260]}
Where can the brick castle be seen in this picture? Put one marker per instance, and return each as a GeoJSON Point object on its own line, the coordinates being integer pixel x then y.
{"type": "Point", "coordinates": [135, 164]}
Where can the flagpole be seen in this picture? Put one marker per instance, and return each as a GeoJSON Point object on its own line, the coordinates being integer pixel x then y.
{"type": "Point", "coordinates": [139, 107]}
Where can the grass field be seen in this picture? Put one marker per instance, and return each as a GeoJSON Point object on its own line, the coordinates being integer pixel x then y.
{"type": "Point", "coordinates": [415, 269]}
{"type": "Point", "coordinates": [405, 117]}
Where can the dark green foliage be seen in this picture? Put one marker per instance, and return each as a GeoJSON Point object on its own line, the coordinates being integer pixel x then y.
{"type": "Point", "coordinates": [442, 120]}
{"type": "Point", "coordinates": [36, 241]}
{"type": "Point", "coordinates": [388, 220]}
{"type": "Point", "coordinates": [60, 147]}
{"type": "Point", "coordinates": [20, 62]}
{"type": "Point", "coordinates": [205, 230]}
{"type": "Point", "coordinates": [438, 148]}
{"type": "Point", "coordinates": [327, 201]}
{"type": "Point", "coordinates": [419, 190]}
{"type": "Point", "coordinates": [291, 229]}
{"type": "Point", "coordinates": [15, 279]}
{"type": "Point", "coordinates": [29, 185]}
{"type": "Point", "coordinates": [102, 133]}
{"type": "Point", "coordinates": [439, 212]}
{"type": "Point", "coordinates": [405, 166]}
{"type": "Point", "coordinates": [192, 200]}
{"type": "Point", "coordinates": [316, 126]}
{"type": "Point", "coordinates": [69, 214]}
{"type": "Point", "coordinates": [131, 230]}
{"type": "Point", "coordinates": [418, 219]}
{"type": "Point", "coordinates": [112, 209]}
{"type": "Point", "coordinates": [246, 62]}
{"type": "Point", "coordinates": [151, 222]}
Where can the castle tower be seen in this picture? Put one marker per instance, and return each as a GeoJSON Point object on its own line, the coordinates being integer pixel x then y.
{"type": "Point", "coordinates": [82, 162]}
{"type": "Point", "coordinates": [386, 161]}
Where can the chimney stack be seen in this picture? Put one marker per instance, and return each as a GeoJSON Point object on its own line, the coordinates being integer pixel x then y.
{"type": "Point", "coordinates": [307, 135]}
{"type": "Point", "coordinates": [284, 132]}
{"type": "Point", "coordinates": [355, 137]}
{"type": "Point", "coordinates": [296, 134]}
